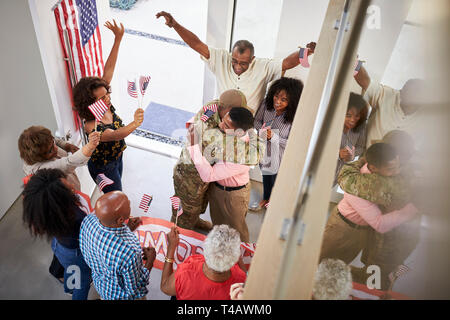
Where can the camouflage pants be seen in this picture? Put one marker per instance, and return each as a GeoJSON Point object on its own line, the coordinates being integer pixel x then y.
{"type": "Point", "coordinates": [389, 250]}
{"type": "Point", "coordinates": [191, 190]}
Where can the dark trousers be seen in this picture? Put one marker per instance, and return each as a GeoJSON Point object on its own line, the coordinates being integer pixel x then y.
{"type": "Point", "coordinates": [56, 269]}
{"type": "Point", "coordinates": [268, 182]}
{"type": "Point", "coordinates": [113, 170]}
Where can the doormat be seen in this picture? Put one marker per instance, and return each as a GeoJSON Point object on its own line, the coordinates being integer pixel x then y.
{"type": "Point", "coordinates": [165, 124]}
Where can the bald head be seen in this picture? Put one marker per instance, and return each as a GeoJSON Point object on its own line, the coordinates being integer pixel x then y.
{"type": "Point", "coordinates": [112, 209]}
{"type": "Point", "coordinates": [230, 99]}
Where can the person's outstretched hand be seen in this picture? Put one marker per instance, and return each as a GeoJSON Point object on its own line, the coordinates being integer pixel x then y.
{"type": "Point", "coordinates": [170, 21]}
{"type": "Point", "coordinates": [118, 31]}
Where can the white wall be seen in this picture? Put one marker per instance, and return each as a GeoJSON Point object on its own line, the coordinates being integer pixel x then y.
{"type": "Point", "coordinates": [376, 45]}
{"type": "Point", "coordinates": [52, 57]}
{"type": "Point", "coordinates": [410, 55]}
{"type": "Point", "coordinates": [32, 55]}
{"type": "Point", "coordinates": [25, 98]}
{"type": "Point", "coordinates": [218, 34]}
{"type": "Point", "coordinates": [55, 72]}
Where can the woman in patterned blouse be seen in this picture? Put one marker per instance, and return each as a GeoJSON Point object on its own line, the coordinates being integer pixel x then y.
{"type": "Point", "coordinates": [107, 159]}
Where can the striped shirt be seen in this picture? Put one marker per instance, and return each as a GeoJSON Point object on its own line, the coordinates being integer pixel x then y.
{"type": "Point", "coordinates": [115, 258]}
{"type": "Point", "coordinates": [277, 144]}
{"type": "Point", "coordinates": [353, 138]}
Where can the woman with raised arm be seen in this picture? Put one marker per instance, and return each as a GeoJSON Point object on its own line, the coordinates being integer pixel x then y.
{"type": "Point", "coordinates": [107, 159]}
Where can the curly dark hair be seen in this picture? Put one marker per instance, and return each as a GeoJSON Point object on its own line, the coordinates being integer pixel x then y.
{"type": "Point", "coordinates": [83, 95]}
{"type": "Point", "coordinates": [293, 88]}
{"type": "Point", "coordinates": [357, 102]}
{"type": "Point", "coordinates": [34, 143]}
{"type": "Point", "coordinates": [242, 118]}
{"type": "Point", "coordinates": [48, 205]}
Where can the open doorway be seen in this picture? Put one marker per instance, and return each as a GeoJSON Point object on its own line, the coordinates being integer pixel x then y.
{"type": "Point", "coordinates": [151, 48]}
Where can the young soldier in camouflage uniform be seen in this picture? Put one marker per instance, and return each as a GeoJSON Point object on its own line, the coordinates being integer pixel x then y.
{"type": "Point", "coordinates": [188, 185]}
{"type": "Point", "coordinates": [390, 249]}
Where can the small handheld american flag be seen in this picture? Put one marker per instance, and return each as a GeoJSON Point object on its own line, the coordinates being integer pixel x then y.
{"type": "Point", "coordinates": [266, 205]}
{"type": "Point", "coordinates": [209, 110]}
{"type": "Point", "coordinates": [143, 83]}
{"type": "Point", "coordinates": [176, 204]}
{"type": "Point", "coordinates": [400, 271]}
{"type": "Point", "coordinates": [212, 107]}
{"type": "Point", "coordinates": [98, 109]}
{"type": "Point", "coordinates": [102, 181]}
{"type": "Point", "coordinates": [303, 57]}
{"type": "Point", "coordinates": [358, 66]}
{"type": "Point", "coordinates": [132, 91]}
{"type": "Point", "coordinates": [145, 202]}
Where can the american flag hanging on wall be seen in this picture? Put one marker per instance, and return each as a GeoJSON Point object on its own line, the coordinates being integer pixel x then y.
{"type": "Point", "coordinates": [79, 18]}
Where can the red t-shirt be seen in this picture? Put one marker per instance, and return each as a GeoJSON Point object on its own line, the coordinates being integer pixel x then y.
{"type": "Point", "coordinates": [192, 284]}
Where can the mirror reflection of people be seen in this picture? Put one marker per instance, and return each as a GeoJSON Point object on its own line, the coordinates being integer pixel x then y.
{"type": "Point", "coordinates": [238, 69]}
{"type": "Point", "coordinates": [332, 281]}
{"type": "Point", "coordinates": [351, 221]}
{"type": "Point", "coordinates": [353, 141]}
{"type": "Point", "coordinates": [392, 109]}
{"type": "Point", "coordinates": [390, 249]}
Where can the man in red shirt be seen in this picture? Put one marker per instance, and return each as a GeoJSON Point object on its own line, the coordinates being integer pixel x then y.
{"type": "Point", "coordinates": [208, 276]}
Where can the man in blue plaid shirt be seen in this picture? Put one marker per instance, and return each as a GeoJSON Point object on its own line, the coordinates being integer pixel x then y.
{"type": "Point", "coordinates": [112, 250]}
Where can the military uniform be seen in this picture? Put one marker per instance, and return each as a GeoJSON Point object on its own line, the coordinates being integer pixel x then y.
{"type": "Point", "coordinates": [216, 146]}
{"type": "Point", "coordinates": [390, 249]}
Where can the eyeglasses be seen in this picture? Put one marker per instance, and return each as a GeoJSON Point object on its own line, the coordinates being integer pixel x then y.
{"type": "Point", "coordinates": [241, 63]}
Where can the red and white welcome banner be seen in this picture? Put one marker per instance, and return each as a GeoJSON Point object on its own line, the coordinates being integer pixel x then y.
{"type": "Point", "coordinates": [153, 233]}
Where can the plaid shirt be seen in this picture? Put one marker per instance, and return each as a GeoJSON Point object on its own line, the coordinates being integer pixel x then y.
{"type": "Point", "coordinates": [115, 258]}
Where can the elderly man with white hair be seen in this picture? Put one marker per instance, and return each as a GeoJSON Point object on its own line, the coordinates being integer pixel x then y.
{"type": "Point", "coordinates": [208, 276]}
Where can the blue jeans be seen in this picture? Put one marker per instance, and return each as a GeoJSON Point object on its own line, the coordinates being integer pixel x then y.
{"type": "Point", "coordinates": [70, 258]}
{"type": "Point", "coordinates": [268, 182]}
{"type": "Point", "coordinates": [113, 170]}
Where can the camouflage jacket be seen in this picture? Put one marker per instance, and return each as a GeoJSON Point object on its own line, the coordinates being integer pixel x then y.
{"type": "Point", "coordinates": [217, 146]}
{"type": "Point", "coordinates": [388, 192]}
